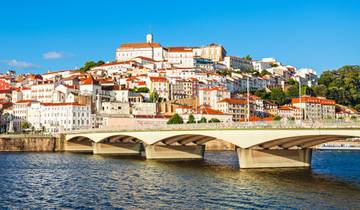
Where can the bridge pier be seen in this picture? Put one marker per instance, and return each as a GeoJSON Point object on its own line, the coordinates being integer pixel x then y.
{"type": "Point", "coordinates": [117, 148]}
{"type": "Point", "coordinates": [174, 152]}
{"type": "Point", "coordinates": [274, 158]}
{"type": "Point", "coordinates": [78, 146]}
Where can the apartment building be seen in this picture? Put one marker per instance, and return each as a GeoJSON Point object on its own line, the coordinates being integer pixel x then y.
{"type": "Point", "coordinates": [315, 108]}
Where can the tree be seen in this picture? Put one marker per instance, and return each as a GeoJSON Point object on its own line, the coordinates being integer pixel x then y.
{"type": "Point", "coordinates": [278, 96]}
{"type": "Point", "coordinates": [248, 57]}
{"type": "Point", "coordinates": [214, 120]}
{"type": "Point", "coordinates": [25, 125]}
{"type": "Point", "coordinates": [191, 119]}
{"type": "Point", "coordinates": [142, 90]}
{"type": "Point", "coordinates": [176, 119]}
{"type": "Point", "coordinates": [264, 72]}
{"type": "Point", "coordinates": [202, 120]}
{"type": "Point", "coordinates": [262, 94]}
{"type": "Point", "coordinates": [154, 97]}
{"type": "Point", "coordinates": [276, 118]}
{"type": "Point", "coordinates": [90, 64]}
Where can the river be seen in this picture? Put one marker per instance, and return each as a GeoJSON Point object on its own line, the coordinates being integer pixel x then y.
{"type": "Point", "coordinates": [67, 181]}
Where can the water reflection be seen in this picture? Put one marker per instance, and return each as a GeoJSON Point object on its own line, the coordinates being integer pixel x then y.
{"type": "Point", "coordinates": [33, 180]}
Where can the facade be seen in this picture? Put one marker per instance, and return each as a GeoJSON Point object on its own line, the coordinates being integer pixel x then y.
{"type": "Point", "coordinates": [290, 112]}
{"type": "Point", "coordinates": [148, 49]}
{"type": "Point", "coordinates": [184, 88]}
{"type": "Point", "coordinates": [306, 77]}
{"type": "Point", "coordinates": [236, 107]}
{"type": "Point", "coordinates": [314, 108]}
{"type": "Point", "coordinates": [161, 86]}
{"type": "Point", "coordinates": [56, 117]}
{"type": "Point", "coordinates": [213, 52]}
{"type": "Point", "coordinates": [180, 56]}
{"type": "Point", "coordinates": [211, 96]}
{"type": "Point", "coordinates": [237, 63]}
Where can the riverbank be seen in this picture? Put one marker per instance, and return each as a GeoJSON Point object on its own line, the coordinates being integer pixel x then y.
{"type": "Point", "coordinates": [48, 143]}
{"type": "Point", "coordinates": [30, 143]}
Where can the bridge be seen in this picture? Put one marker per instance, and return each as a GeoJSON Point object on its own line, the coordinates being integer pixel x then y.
{"type": "Point", "coordinates": [257, 146]}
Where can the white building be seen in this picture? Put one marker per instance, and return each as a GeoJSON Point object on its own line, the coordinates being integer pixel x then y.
{"type": "Point", "coordinates": [56, 117]}
{"type": "Point", "coordinates": [211, 96]}
{"type": "Point", "coordinates": [147, 49]}
{"type": "Point", "coordinates": [306, 76]}
{"type": "Point", "coordinates": [237, 63]}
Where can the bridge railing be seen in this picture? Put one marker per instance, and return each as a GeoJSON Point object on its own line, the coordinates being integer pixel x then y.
{"type": "Point", "coordinates": [234, 125]}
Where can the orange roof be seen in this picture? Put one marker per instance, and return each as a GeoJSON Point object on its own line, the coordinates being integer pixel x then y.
{"type": "Point", "coordinates": [89, 81]}
{"type": "Point", "coordinates": [71, 86]}
{"type": "Point", "coordinates": [24, 101]}
{"type": "Point", "coordinates": [180, 49]}
{"type": "Point", "coordinates": [140, 45]}
{"type": "Point", "coordinates": [158, 79]}
{"type": "Point", "coordinates": [308, 99]}
{"type": "Point", "coordinates": [63, 104]}
{"type": "Point", "coordinates": [287, 108]}
{"type": "Point", "coordinates": [207, 110]}
{"type": "Point", "coordinates": [141, 83]}
{"type": "Point", "coordinates": [233, 101]}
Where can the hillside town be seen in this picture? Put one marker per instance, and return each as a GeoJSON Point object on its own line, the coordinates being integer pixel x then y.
{"type": "Point", "coordinates": [150, 84]}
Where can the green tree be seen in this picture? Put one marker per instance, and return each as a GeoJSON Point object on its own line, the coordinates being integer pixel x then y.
{"type": "Point", "coordinates": [276, 118]}
{"type": "Point", "coordinates": [154, 97]}
{"type": "Point", "coordinates": [320, 90]}
{"type": "Point", "coordinates": [202, 120]}
{"type": "Point", "coordinates": [90, 64]}
{"type": "Point", "coordinates": [142, 90]}
{"type": "Point", "coordinates": [278, 96]}
{"type": "Point", "coordinates": [176, 119]}
{"type": "Point", "coordinates": [262, 94]}
{"type": "Point", "coordinates": [264, 72]}
{"type": "Point", "coordinates": [214, 120]}
{"type": "Point", "coordinates": [248, 57]}
{"type": "Point", "coordinates": [25, 125]}
{"type": "Point", "coordinates": [191, 119]}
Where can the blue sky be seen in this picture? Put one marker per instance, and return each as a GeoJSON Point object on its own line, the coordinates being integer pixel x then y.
{"type": "Point", "coordinates": [42, 35]}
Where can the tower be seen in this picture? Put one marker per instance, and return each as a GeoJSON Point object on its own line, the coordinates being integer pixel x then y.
{"type": "Point", "coordinates": [149, 38]}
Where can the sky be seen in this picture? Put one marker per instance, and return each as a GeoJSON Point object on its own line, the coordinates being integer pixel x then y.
{"type": "Point", "coordinates": [40, 36]}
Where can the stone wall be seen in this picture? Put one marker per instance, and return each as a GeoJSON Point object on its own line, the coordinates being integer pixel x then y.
{"type": "Point", "coordinates": [219, 145]}
{"type": "Point", "coordinates": [30, 144]}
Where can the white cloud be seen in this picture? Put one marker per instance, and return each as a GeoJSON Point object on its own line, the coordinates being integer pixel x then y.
{"type": "Point", "coordinates": [52, 55]}
{"type": "Point", "coordinates": [20, 64]}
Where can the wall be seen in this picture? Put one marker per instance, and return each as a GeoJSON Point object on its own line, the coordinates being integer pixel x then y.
{"type": "Point", "coordinates": [30, 143]}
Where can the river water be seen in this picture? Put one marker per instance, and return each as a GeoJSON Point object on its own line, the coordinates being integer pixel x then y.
{"type": "Point", "coordinates": [65, 180]}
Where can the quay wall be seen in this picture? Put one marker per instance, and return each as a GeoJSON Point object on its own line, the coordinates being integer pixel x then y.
{"type": "Point", "coordinates": [30, 143]}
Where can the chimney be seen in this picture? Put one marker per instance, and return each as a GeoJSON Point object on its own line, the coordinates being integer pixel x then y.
{"type": "Point", "coordinates": [149, 38]}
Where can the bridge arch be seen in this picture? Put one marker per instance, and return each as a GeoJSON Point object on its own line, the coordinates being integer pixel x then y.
{"type": "Point", "coordinates": [120, 138]}
{"type": "Point", "coordinates": [79, 143]}
{"type": "Point", "coordinates": [186, 139]}
{"type": "Point", "coordinates": [299, 142]}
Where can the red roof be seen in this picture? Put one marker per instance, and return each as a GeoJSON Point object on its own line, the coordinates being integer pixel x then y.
{"type": "Point", "coordinates": [63, 104]}
{"type": "Point", "coordinates": [308, 99]}
{"type": "Point", "coordinates": [89, 81]}
{"type": "Point", "coordinates": [233, 101]}
{"type": "Point", "coordinates": [287, 108]}
{"type": "Point", "coordinates": [24, 101]}
{"type": "Point", "coordinates": [180, 49]}
{"type": "Point", "coordinates": [207, 110]}
{"type": "Point", "coordinates": [158, 79]}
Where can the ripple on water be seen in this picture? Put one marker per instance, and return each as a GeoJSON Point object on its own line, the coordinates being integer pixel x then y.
{"type": "Point", "coordinates": [54, 180]}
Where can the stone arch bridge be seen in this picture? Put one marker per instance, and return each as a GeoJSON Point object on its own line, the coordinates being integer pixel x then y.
{"type": "Point", "coordinates": [256, 148]}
